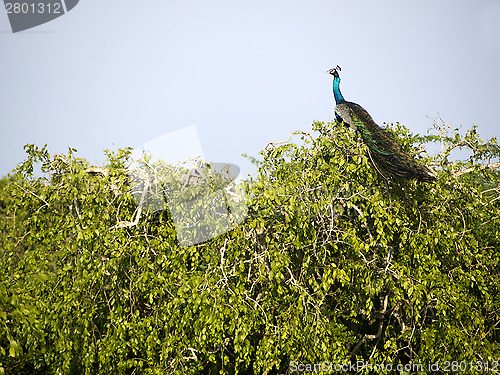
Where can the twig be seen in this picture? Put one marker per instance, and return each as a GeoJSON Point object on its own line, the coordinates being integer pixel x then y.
{"type": "Point", "coordinates": [419, 151]}
{"type": "Point", "coordinates": [126, 224]}
{"type": "Point", "coordinates": [491, 166]}
{"type": "Point", "coordinates": [193, 354]}
{"type": "Point", "coordinates": [97, 170]}
{"type": "Point", "coordinates": [28, 191]}
{"type": "Point", "coordinates": [274, 144]}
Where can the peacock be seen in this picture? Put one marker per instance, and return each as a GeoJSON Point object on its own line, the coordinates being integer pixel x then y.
{"type": "Point", "coordinates": [385, 153]}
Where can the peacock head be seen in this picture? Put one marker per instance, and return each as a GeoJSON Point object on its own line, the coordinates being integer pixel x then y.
{"type": "Point", "coordinates": [336, 84]}
{"type": "Point", "coordinates": [334, 71]}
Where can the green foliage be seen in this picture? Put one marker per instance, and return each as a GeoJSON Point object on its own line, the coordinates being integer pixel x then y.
{"type": "Point", "coordinates": [333, 264]}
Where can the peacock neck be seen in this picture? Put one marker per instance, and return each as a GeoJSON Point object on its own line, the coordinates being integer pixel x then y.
{"type": "Point", "coordinates": [336, 90]}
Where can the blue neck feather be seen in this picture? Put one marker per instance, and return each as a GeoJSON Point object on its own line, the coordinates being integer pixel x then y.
{"type": "Point", "coordinates": [336, 90]}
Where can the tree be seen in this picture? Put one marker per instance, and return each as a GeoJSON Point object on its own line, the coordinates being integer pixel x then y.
{"type": "Point", "coordinates": [334, 264]}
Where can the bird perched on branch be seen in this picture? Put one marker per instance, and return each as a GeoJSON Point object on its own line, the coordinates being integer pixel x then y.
{"type": "Point", "coordinates": [385, 153]}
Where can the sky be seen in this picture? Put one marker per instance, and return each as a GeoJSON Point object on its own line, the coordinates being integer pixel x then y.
{"type": "Point", "coordinates": [118, 73]}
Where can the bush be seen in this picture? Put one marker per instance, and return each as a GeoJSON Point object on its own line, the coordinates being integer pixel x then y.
{"type": "Point", "coordinates": [334, 264]}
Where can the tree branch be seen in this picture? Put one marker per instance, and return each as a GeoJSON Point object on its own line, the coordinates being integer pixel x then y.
{"type": "Point", "coordinates": [491, 166]}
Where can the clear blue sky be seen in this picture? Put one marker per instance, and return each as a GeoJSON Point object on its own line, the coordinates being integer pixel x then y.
{"type": "Point", "coordinates": [119, 73]}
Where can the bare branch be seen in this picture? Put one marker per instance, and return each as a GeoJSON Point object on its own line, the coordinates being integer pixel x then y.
{"type": "Point", "coordinates": [274, 144]}
{"type": "Point", "coordinates": [491, 166]}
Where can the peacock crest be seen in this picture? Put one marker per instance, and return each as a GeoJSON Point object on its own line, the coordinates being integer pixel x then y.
{"type": "Point", "coordinates": [384, 151]}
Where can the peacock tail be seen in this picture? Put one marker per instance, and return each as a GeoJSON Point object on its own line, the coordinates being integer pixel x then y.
{"type": "Point", "coordinates": [385, 152]}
